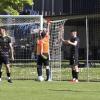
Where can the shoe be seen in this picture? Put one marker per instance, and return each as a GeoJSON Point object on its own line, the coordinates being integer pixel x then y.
{"type": "Point", "coordinates": [73, 80]}
{"type": "Point", "coordinates": [76, 81]}
{"type": "Point", "coordinates": [40, 78]}
{"type": "Point", "coordinates": [9, 80]}
{"type": "Point", "coordinates": [0, 80]}
{"type": "Point", "coordinates": [49, 80]}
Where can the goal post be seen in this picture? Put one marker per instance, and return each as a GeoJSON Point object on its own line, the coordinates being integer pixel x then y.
{"type": "Point", "coordinates": [23, 30]}
{"type": "Point", "coordinates": [7, 20]}
{"type": "Point", "coordinates": [56, 32]}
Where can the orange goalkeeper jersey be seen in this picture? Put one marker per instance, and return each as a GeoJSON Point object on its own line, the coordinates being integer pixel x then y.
{"type": "Point", "coordinates": [46, 44]}
{"type": "Point", "coordinates": [43, 45]}
{"type": "Point", "coordinates": [39, 47]}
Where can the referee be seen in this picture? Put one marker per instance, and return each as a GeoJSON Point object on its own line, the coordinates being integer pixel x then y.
{"type": "Point", "coordinates": [74, 53]}
{"type": "Point", "coordinates": [5, 50]}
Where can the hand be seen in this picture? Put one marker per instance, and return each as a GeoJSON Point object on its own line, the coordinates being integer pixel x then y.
{"type": "Point", "coordinates": [62, 39]}
{"type": "Point", "coordinates": [44, 57]}
{"type": "Point", "coordinates": [49, 23]}
{"type": "Point", "coordinates": [68, 41]}
{"type": "Point", "coordinates": [12, 58]}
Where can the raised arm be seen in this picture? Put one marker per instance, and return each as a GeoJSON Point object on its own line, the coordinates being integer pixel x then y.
{"type": "Point", "coordinates": [12, 51]}
{"type": "Point", "coordinates": [72, 43]}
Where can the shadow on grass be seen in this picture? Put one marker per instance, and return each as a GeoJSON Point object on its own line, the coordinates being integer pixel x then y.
{"type": "Point", "coordinates": [73, 90]}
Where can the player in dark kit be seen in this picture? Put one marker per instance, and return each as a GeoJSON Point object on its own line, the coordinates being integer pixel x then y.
{"type": "Point", "coordinates": [74, 53]}
{"type": "Point", "coordinates": [5, 50]}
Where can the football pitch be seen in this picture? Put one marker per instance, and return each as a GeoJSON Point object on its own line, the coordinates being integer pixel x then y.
{"type": "Point", "coordinates": [55, 90]}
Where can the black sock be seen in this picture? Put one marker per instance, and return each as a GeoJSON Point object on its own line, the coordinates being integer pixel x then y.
{"type": "Point", "coordinates": [76, 75]}
{"type": "Point", "coordinates": [39, 71]}
{"type": "Point", "coordinates": [73, 74]}
{"type": "Point", "coordinates": [8, 74]}
{"type": "Point", "coordinates": [47, 73]}
{"type": "Point", "coordinates": [0, 74]}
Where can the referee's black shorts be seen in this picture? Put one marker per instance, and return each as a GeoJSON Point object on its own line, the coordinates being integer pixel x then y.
{"type": "Point", "coordinates": [4, 59]}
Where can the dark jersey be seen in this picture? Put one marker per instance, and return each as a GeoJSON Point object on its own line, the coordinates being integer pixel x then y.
{"type": "Point", "coordinates": [4, 45]}
{"type": "Point", "coordinates": [74, 49]}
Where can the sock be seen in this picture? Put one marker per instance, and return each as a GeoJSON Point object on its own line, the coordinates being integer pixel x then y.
{"type": "Point", "coordinates": [0, 74]}
{"type": "Point", "coordinates": [47, 73]}
{"type": "Point", "coordinates": [76, 75]}
{"type": "Point", "coordinates": [73, 74]}
{"type": "Point", "coordinates": [8, 75]}
{"type": "Point", "coordinates": [39, 71]}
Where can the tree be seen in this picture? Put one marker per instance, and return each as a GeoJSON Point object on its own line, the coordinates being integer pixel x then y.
{"type": "Point", "coordinates": [13, 7]}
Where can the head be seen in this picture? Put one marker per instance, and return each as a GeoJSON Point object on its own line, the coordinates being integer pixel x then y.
{"type": "Point", "coordinates": [2, 31]}
{"type": "Point", "coordinates": [73, 33]}
{"type": "Point", "coordinates": [43, 34]}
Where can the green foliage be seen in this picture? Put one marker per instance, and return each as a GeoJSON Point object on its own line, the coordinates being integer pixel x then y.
{"type": "Point", "coordinates": [13, 7]}
{"type": "Point", "coordinates": [11, 11]}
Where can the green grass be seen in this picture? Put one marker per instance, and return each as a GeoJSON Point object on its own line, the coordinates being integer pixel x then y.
{"type": "Point", "coordinates": [30, 72]}
{"type": "Point", "coordinates": [55, 90]}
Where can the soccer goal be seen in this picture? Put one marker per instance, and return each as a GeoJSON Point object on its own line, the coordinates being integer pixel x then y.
{"type": "Point", "coordinates": [23, 30]}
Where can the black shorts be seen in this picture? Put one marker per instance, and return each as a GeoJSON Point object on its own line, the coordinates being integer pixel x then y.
{"type": "Point", "coordinates": [41, 61]}
{"type": "Point", "coordinates": [74, 60]}
{"type": "Point", "coordinates": [4, 59]}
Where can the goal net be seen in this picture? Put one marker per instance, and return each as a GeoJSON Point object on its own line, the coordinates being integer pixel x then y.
{"type": "Point", "coordinates": [23, 30]}
{"type": "Point", "coordinates": [56, 32]}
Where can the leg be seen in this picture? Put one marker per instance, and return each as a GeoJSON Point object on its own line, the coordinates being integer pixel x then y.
{"type": "Point", "coordinates": [7, 64]}
{"type": "Point", "coordinates": [72, 67]}
{"type": "Point", "coordinates": [0, 71]}
{"type": "Point", "coordinates": [8, 70]}
{"type": "Point", "coordinates": [76, 72]}
{"type": "Point", "coordinates": [1, 61]}
{"type": "Point", "coordinates": [73, 73]}
{"type": "Point", "coordinates": [76, 67]}
{"type": "Point", "coordinates": [48, 73]}
{"type": "Point", "coordinates": [39, 68]}
{"type": "Point", "coordinates": [46, 63]}
{"type": "Point", "coordinates": [39, 71]}
{"type": "Point", "coordinates": [8, 73]}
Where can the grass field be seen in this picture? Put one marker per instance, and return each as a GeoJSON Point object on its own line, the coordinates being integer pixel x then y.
{"type": "Point", "coordinates": [26, 88]}
{"type": "Point", "coordinates": [29, 71]}
{"type": "Point", "coordinates": [55, 90]}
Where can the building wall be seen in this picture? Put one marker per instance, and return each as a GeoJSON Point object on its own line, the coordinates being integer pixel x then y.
{"type": "Point", "coordinates": [67, 7]}
{"type": "Point", "coordinates": [71, 8]}
{"type": "Point", "coordinates": [49, 7]}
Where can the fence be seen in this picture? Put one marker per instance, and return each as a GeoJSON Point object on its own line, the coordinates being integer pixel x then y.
{"type": "Point", "coordinates": [88, 28]}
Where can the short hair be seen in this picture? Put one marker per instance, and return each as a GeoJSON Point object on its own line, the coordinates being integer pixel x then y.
{"type": "Point", "coordinates": [43, 34]}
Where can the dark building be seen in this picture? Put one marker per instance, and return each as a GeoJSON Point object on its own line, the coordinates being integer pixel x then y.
{"type": "Point", "coordinates": [76, 11]}
{"type": "Point", "coordinates": [67, 7]}
{"type": "Point", "coordinates": [49, 7]}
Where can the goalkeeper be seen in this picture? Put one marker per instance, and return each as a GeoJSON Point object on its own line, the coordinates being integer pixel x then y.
{"type": "Point", "coordinates": [43, 54]}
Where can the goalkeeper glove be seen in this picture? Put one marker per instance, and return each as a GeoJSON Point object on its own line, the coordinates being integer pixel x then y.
{"type": "Point", "coordinates": [44, 57]}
